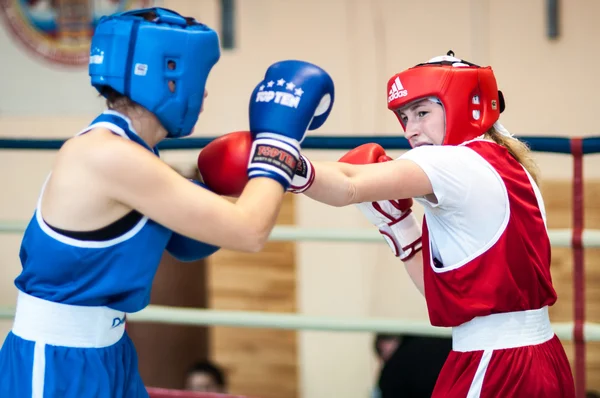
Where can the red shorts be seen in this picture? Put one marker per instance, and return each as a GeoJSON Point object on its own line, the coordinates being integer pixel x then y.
{"type": "Point", "coordinates": [518, 358]}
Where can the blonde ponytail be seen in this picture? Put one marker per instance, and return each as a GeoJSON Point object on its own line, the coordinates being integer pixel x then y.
{"type": "Point", "coordinates": [518, 149]}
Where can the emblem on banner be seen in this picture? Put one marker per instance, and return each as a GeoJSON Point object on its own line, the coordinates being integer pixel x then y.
{"type": "Point", "coordinates": [60, 30]}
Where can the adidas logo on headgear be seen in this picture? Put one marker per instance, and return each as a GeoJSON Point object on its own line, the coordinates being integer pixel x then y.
{"type": "Point", "coordinates": [397, 90]}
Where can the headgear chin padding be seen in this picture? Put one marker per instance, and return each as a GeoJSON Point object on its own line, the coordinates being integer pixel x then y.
{"type": "Point", "coordinates": [139, 58]}
{"type": "Point", "coordinates": [468, 93]}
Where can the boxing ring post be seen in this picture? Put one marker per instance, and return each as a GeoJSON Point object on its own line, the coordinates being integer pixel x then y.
{"type": "Point", "coordinates": [577, 239]}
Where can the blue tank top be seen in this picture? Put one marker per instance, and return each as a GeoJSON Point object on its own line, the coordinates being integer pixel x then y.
{"type": "Point", "coordinates": [116, 273]}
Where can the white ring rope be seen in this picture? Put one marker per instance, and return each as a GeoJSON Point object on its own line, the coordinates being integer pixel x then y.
{"type": "Point", "coordinates": [558, 237]}
{"type": "Point", "coordinates": [288, 321]}
{"type": "Point", "coordinates": [207, 317]}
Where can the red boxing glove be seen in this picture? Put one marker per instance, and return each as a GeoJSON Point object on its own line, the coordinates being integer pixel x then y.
{"type": "Point", "coordinates": [394, 219]}
{"type": "Point", "coordinates": [365, 154]}
{"type": "Point", "coordinates": [223, 163]}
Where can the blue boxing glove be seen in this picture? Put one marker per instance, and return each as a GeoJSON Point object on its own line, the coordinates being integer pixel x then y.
{"type": "Point", "coordinates": [186, 249]}
{"type": "Point", "coordinates": [295, 96]}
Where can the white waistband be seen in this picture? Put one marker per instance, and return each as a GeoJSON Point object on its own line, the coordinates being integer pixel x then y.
{"type": "Point", "coordinates": [500, 331]}
{"type": "Point", "coordinates": [67, 325]}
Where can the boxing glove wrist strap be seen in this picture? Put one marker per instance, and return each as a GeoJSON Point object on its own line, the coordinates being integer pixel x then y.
{"type": "Point", "coordinates": [274, 156]}
{"type": "Point", "coordinates": [401, 230]}
{"type": "Point", "coordinates": [405, 234]}
{"type": "Point", "coordinates": [304, 177]}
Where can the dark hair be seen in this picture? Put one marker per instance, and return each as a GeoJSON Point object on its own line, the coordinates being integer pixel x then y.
{"type": "Point", "coordinates": [151, 16]}
{"type": "Point", "coordinates": [115, 99]}
{"type": "Point", "coordinates": [213, 370]}
{"type": "Point", "coordinates": [380, 337]}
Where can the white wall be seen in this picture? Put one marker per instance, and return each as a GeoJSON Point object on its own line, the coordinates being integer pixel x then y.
{"type": "Point", "coordinates": [550, 87]}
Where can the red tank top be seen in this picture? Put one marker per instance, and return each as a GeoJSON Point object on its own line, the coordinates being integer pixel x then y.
{"type": "Point", "coordinates": [513, 274]}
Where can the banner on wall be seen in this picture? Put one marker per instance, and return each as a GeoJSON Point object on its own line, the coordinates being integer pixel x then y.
{"type": "Point", "coordinates": [59, 31]}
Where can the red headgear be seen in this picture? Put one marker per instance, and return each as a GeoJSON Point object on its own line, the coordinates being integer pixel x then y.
{"type": "Point", "coordinates": [468, 93]}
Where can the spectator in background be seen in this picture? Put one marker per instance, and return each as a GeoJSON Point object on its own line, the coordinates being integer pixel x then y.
{"type": "Point", "coordinates": [410, 365]}
{"type": "Point", "coordinates": [205, 376]}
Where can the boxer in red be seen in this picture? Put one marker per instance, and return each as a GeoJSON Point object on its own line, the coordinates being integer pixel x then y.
{"type": "Point", "coordinates": [484, 261]}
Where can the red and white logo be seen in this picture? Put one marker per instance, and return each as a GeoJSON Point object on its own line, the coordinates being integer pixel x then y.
{"type": "Point", "coordinates": [397, 90]}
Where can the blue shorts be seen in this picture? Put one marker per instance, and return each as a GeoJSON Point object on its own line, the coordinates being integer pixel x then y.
{"type": "Point", "coordinates": [58, 350]}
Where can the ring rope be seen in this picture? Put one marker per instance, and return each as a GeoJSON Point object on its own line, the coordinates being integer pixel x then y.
{"type": "Point", "coordinates": [292, 321]}
{"type": "Point", "coordinates": [578, 267]}
{"type": "Point", "coordinates": [155, 392]}
{"type": "Point", "coordinates": [589, 145]}
{"type": "Point", "coordinates": [282, 233]}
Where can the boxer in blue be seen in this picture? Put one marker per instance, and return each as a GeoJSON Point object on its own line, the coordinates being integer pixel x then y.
{"type": "Point", "coordinates": [110, 207]}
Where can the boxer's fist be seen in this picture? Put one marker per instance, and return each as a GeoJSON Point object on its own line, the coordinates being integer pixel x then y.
{"type": "Point", "coordinates": [294, 97]}
{"type": "Point", "coordinates": [396, 223]}
{"type": "Point", "coordinates": [366, 154]}
{"type": "Point", "coordinates": [187, 249]}
{"type": "Point", "coordinates": [223, 163]}
{"type": "Point", "coordinates": [393, 218]}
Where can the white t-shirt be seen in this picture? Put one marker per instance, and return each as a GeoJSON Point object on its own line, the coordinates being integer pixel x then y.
{"type": "Point", "coordinates": [470, 209]}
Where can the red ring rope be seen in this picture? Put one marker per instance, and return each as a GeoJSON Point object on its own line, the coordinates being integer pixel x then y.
{"type": "Point", "coordinates": [578, 266]}
{"type": "Point", "coordinates": [165, 393]}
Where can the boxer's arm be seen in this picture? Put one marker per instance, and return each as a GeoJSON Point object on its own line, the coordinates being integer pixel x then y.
{"type": "Point", "coordinates": [341, 184]}
{"type": "Point", "coordinates": [131, 175]}
{"type": "Point", "coordinates": [414, 268]}
{"type": "Point", "coordinates": [186, 249]}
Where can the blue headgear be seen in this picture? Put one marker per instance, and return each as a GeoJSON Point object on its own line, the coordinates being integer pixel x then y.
{"type": "Point", "coordinates": [139, 58]}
